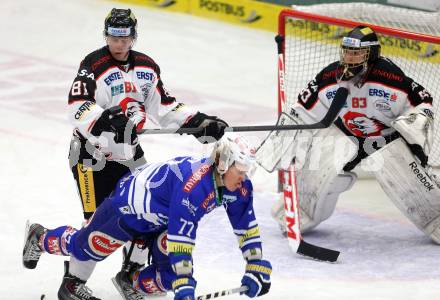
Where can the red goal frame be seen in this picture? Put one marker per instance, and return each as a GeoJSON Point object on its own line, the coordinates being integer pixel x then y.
{"type": "Point", "coordinates": [290, 13]}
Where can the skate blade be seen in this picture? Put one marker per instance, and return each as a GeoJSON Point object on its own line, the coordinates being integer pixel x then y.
{"type": "Point", "coordinates": [26, 231]}
{"type": "Point", "coordinates": [118, 288]}
{"type": "Point", "coordinates": [26, 235]}
{"type": "Point", "coordinates": [123, 296]}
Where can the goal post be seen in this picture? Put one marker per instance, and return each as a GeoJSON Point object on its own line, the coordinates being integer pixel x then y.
{"type": "Point", "coordinates": [311, 41]}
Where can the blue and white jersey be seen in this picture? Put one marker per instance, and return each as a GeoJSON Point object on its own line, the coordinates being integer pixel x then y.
{"type": "Point", "coordinates": [176, 194]}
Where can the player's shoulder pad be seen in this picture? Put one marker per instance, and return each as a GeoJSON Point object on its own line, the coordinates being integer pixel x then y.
{"type": "Point", "coordinates": [196, 172]}
{"type": "Point", "coordinates": [329, 74]}
{"type": "Point", "coordinates": [97, 61]}
{"type": "Point", "coordinates": [141, 59]}
{"type": "Point", "coordinates": [386, 71]}
{"type": "Point", "coordinates": [248, 184]}
{"type": "Point", "coordinates": [246, 189]}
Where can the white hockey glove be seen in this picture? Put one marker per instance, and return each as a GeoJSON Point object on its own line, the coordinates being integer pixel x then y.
{"type": "Point", "coordinates": [415, 126]}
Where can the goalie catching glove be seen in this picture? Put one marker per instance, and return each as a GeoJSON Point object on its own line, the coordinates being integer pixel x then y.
{"type": "Point", "coordinates": [211, 127]}
{"type": "Point", "coordinates": [114, 120]}
{"type": "Point", "coordinates": [257, 278]}
{"type": "Point", "coordinates": [415, 126]}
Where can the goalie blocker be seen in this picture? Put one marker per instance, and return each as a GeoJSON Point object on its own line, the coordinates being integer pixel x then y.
{"type": "Point", "coordinates": [409, 186]}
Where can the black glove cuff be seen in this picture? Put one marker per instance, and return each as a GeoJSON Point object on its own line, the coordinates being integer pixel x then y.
{"type": "Point", "coordinates": [197, 120]}
{"type": "Point", "coordinates": [114, 120]}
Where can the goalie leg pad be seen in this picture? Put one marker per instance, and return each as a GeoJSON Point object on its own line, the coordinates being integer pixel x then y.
{"type": "Point", "coordinates": [324, 206]}
{"type": "Point", "coordinates": [320, 176]}
{"type": "Point", "coordinates": [409, 186]}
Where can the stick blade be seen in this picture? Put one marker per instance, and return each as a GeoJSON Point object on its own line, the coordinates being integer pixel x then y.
{"type": "Point", "coordinates": [316, 252]}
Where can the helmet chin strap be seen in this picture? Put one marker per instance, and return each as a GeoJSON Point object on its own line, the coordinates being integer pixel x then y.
{"type": "Point", "coordinates": [358, 78]}
{"type": "Point", "coordinates": [218, 178]}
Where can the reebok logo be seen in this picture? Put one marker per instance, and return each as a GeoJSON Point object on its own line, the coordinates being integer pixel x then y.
{"type": "Point", "coordinates": [425, 180]}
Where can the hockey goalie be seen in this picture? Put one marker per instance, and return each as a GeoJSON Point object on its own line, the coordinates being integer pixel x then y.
{"type": "Point", "coordinates": [386, 124]}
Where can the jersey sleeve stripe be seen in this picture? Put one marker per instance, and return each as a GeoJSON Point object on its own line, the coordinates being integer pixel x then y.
{"type": "Point", "coordinates": [179, 238]}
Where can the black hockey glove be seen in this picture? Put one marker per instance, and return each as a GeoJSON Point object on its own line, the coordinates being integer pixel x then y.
{"type": "Point", "coordinates": [257, 278]}
{"type": "Point", "coordinates": [211, 127]}
{"type": "Point", "coordinates": [114, 120]}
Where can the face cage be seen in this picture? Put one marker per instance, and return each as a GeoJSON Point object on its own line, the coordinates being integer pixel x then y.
{"type": "Point", "coordinates": [248, 169]}
{"type": "Point", "coordinates": [224, 165]}
{"type": "Point", "coordinates": [360, 56]}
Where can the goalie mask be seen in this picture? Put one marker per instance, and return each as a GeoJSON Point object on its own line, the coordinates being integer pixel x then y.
{"type": "Point", "coordinates": [359, 48]}
{"type": "Point", "coordinates": [231, 150]}
{"type": "Point", "coordinates": [120, 23]}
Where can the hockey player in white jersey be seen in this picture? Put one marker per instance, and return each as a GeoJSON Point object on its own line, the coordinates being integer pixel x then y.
{"type": "Point", "coordinates": [163, 204]}
{"type": "Point", "coordinates": [115, 91]}
{"type": "Point", "coordinates": [384, 107]}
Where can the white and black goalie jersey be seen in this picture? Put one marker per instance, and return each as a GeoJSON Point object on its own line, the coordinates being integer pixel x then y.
{"type": "Point", "coordinates": [385, 94]}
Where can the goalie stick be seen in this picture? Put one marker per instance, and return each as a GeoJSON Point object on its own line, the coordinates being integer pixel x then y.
{"type": "Point", "coordinates": [333, 111]}
{"type": "Point", "coordinates": [288, 177]}
{"type": "Point", "coordinates": [294, 237]}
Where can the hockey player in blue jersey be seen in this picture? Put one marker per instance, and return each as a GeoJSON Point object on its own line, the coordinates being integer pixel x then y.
{"type": "Point", "coordinates": [162, 204]}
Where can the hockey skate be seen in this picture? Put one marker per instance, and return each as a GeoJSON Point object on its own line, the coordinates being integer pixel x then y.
{"type": "Point", "coordinates": [124, 284]}
{"type": "Point", "coordinates": [73, 288]}
{"type": "Point", "coordinates": [31, 249]}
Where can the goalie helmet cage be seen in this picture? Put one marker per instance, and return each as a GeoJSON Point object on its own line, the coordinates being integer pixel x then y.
{"type": "Point", "coordinates": [312, 41]}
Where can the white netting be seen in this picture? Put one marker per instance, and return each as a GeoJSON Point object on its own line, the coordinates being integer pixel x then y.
{"type": "Point", "coordinates": [383, 15]}
{"type": "Point", "coordinates": [311, 45]}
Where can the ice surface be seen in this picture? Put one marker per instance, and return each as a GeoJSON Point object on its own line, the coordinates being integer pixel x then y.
{"type": "Point", "coordinates": [220, 69]}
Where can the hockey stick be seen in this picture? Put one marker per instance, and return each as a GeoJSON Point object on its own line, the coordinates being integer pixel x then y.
{"type": "Point", "coordinates": [241, 289]}
{"type": "Point", "coordinates": [289, 186]}
{"type": "Point", "coordinates": [291, 208]}
{"type": "Point", "coordinates": [333, 111]}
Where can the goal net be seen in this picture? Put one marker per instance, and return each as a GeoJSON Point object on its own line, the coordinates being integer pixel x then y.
{"type": "Point", "coordinates": [411, 39]}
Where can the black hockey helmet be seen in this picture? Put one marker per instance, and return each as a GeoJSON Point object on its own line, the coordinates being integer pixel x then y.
{"type": "Point", "coordinates": [359, 48]}
{"type": "Point", "coordinates": [120, 22]}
